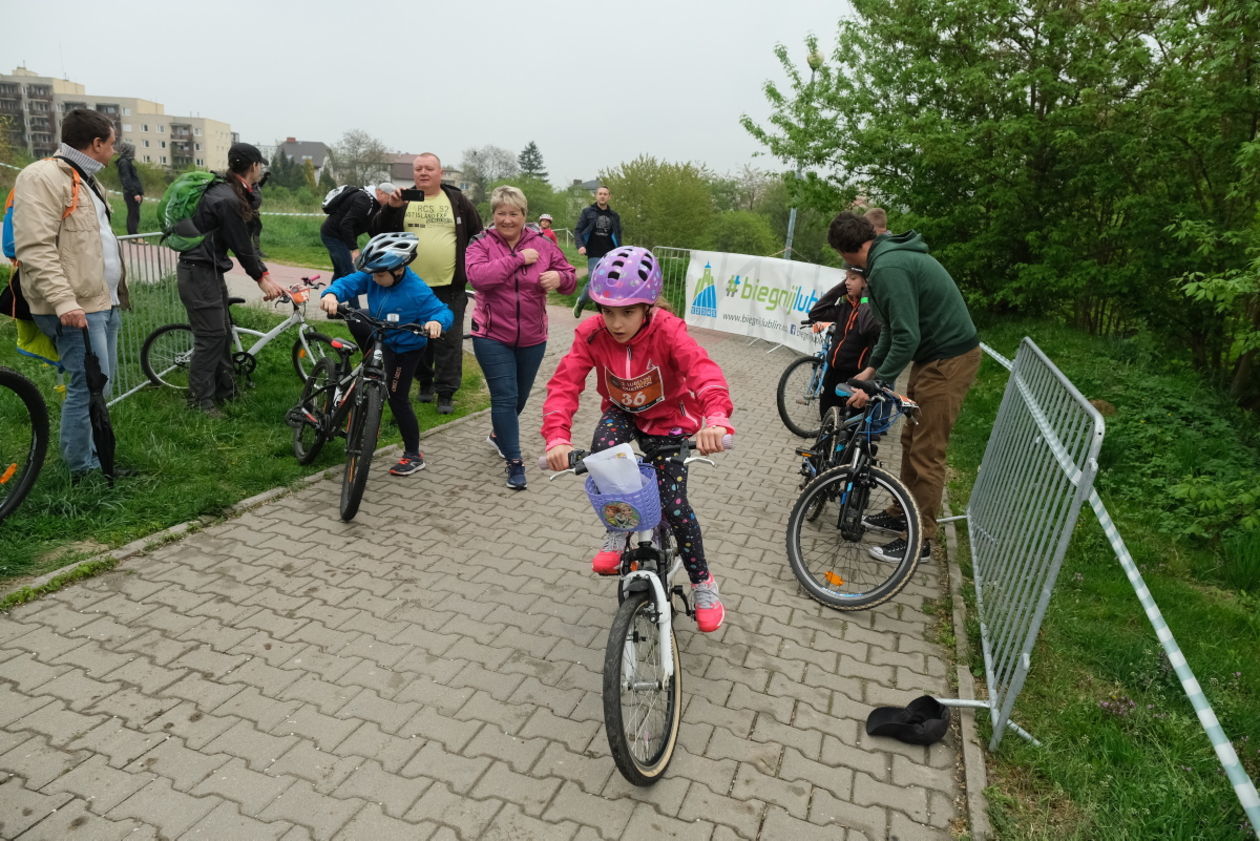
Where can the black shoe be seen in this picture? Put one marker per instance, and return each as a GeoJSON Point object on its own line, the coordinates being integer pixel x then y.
{"type": "Point", "coordinates": [896, 550]}
{"type": "Point", "coordinates": [425, 395]}
{"type": "Point", "coordinates": [883, 521]}
{"type": "Point", "coordinates": [445, 405]}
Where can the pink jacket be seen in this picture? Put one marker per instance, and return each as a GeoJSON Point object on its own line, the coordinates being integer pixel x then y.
{"type": "Point", "coordinates": [510, 305]}
{"type": "Point", "coordinates": [661, 376]}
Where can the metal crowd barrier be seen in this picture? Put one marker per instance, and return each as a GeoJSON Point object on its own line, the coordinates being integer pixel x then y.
{"type": "Point", "coordinates": [1038, 470]}
{"type": "Point", "coordinates": [154, 302]}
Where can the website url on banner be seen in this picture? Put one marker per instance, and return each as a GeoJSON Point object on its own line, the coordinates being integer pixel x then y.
{"type": "Point", "coordinates": [755, 320]}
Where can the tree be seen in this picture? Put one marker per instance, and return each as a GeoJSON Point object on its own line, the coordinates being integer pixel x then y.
{"type": "Point", "coordinates": [541, 198]}
{"type": "Point", "coordinates": [286, 172]}
{"type": "Point", "coordinates": [743, 232]}
{"type": "Point", "coordinates": [1042, 148]}
{"type": "Point", "coordinates": [358, 157]}
{"type": "Point", "coordinates": [661, 203]}
{"type": "Point", "coordinates": [483, 165]}
{"type": "Point", "coordinates": [326, 181]}
{"type": "Point", "coordinates": [530, 161]}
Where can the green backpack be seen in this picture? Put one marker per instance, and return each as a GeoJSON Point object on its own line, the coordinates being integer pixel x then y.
{"type": "Point", "coordinates": [179, 203]}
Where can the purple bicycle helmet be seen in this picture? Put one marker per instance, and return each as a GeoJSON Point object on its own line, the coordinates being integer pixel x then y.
{"type": "Point", "coordinates": [626, 275]}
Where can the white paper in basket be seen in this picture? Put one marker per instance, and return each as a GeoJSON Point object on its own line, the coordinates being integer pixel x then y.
{"type": "Point", "coordinates": [614, 470]}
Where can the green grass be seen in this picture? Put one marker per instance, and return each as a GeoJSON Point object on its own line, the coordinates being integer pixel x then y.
{"type": "Point", "coordinates": [1123, 756]}
{"type": "Point", "coordinates": [191, 466]}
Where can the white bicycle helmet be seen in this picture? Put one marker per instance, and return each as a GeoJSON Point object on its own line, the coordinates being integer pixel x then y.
{"type": "Point", "coordinates": [389, 251]}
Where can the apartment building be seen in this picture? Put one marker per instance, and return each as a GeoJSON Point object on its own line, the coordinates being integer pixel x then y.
{"type": "Point", "coordinates": [31, 105]}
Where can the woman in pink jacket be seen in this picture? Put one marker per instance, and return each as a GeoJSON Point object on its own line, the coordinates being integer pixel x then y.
{"type": "Point", "coordinates": [512, 268]}
{"type": "Point", "coordinates": [658, 386]}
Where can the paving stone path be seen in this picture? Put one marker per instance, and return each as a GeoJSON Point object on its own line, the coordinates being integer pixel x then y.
{"type": "Point", "coordinates": [432, 670]}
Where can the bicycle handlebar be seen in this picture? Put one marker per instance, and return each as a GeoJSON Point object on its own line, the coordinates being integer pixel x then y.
{"type": "Point", "coordinates": [350, 314]}
{"type": "Point", "coordinates": [683, 448]}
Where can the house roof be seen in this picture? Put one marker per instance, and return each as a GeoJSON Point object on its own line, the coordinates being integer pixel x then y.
{"type": "Point", "coordinates": [300, 150]}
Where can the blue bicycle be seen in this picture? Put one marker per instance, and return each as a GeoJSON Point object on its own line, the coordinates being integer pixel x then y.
{"type": "Point", "coordinates": [800, 388]}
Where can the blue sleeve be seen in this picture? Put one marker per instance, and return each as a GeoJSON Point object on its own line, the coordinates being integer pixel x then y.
{"type": "Point", "coordinates": [430, 307]}
{"type": "Point", "coordinates": [347, 287]}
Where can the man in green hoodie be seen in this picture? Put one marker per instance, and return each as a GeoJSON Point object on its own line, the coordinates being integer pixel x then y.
{"type": "Point", "coordinates": [926, 326]}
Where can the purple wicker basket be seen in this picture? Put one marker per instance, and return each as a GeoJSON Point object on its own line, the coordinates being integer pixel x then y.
{"type": "Point", "coordinates": [627, 512]}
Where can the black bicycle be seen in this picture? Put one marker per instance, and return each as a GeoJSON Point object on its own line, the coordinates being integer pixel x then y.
{"type": "Point", "coordinates": [341, 399]}
{"type": "Point", "coordinates": [800, 387]}
{"type": "Point", "coordinates": [23, 438]}
{"type": "Point", "coordinates": [850, 504]}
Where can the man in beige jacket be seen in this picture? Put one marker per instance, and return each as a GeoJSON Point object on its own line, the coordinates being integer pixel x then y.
{"type": "Point", "coordinates": [71, 265]}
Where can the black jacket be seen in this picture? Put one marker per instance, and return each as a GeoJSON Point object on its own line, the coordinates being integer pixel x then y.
{"type": "Point", "coordinates": [219, 213]}
{"type": "Point", "coordinates": [857, 331]}
{"type": "Point", "coordinates": [467, 226]}
{"type": "Point", "coordinates": [129, 178]}
{"type": "Point", "coordinates": [588, 228]}
{"type": "Point", "coordinates": [350, 219]}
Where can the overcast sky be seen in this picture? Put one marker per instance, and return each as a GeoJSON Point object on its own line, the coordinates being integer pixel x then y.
{"type": "Point", "coordinates": [593, 84]}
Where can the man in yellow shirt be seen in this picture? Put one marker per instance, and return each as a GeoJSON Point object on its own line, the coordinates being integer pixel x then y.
{"type": "Point", "coordinates": [444, 220]}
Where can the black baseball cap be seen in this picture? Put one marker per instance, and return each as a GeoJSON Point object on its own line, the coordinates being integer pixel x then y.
{"type": "Point", "coordinates": [244, 153]}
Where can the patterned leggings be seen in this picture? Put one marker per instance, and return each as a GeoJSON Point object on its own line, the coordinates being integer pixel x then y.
{"type": "Point", "coordinates": [617, 427]}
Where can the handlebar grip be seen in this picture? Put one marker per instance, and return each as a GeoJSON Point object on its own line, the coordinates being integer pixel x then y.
{"type": "Point", "coordinates": [728, 441]}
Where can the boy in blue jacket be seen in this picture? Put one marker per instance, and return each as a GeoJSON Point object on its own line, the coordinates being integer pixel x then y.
{"type": "Point", "coordinates": [392, 290]}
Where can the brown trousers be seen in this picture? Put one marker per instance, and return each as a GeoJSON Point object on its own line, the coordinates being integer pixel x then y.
{"type": "Point", "coordinates": [939, 388]}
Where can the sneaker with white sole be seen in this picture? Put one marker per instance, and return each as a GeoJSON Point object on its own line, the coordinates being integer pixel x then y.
{"type": "Point", "coordinates": [894, 551]}
{"type": "Point", "coordinates": [708, 605]}
{"type": "Point", "coordinates": [885, 522]}
{"type": "Point", "coordinates": [494, 442]}
{"type": "Point", "coordinates": [607, 560]}
{"type": "Point", "coordinates": [516, 474]}
{"type": "Point", "coordinates": [407, 465]}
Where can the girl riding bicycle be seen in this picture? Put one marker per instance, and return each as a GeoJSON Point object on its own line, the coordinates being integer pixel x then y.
{"type": "Point", "coordinates": [658, 386]}
{"type": "Point", "coordinates": [394, 290]}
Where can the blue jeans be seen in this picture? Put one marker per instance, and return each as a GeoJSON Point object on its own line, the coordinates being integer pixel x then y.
{"type": "Point", "coordinates": [77, 450]}
{"type": "Point", "coordinates": [340, 254]}
{"type": "Point", "coordinates": [509, 373]}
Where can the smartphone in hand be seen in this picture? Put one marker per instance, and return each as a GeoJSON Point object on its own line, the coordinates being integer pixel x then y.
{"type": "Point", "coordinates": [412, 194]}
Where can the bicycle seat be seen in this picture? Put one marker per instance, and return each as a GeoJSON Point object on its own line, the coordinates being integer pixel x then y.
{"type": "Point", "coordinates": [232, 301]}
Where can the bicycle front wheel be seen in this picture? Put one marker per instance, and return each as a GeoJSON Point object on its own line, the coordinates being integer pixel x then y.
{"type": "Point", "coordinates": [310, 415]}
{"type": "Point", "coordinates": [23, 438]}
{"type": "Point", "coordinates": [829, 547]}
{"type": "Point", "coordinates": [797, 396]}
{"type": "Point", "coordinates": [642, 708]}
{"type": "Point", "coordinates": [308, 349]}
{"type": "Point", "coordinates": [167, 354]}
{"type": "Point", "coordinates": [363, 427]}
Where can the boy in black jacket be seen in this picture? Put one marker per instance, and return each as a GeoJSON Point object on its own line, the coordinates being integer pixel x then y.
{"type": "Point", "coordinates": [857, 331]}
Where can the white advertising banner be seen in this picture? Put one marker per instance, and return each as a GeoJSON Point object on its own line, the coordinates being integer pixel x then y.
{"type": "Point", "coordinates": [763, 297]}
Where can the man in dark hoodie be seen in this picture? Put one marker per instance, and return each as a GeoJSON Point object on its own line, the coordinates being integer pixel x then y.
{"type": "Point", "coordinates": [926, 326]}
{"type": "Point", "coordinates": [132, 188]}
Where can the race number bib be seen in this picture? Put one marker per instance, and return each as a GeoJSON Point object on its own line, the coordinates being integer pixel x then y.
{"type": "Point", "coordinates": [637, 394]}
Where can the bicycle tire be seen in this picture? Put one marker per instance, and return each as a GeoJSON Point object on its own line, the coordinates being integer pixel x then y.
{"type": "Point", "coordinates": [641, 720]}
{"type": "Point", "coordinates": [320, 348]}
{"type": "Point", "coordinates": [363, 427]}
{"type": "Point", "coordinates": [797, 396]}
{"type": "Point", "coordinates": [310, 416]}
{"type": "Point", "coordinates": [838, 571]}
{"type": "Point", "coordinates": [20, 459]}
{"type": "Point", "coordinates": [166, 356]}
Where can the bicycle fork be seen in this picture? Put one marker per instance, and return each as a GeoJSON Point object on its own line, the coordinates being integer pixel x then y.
{"type": "Point", "coordinates": [664, 617]}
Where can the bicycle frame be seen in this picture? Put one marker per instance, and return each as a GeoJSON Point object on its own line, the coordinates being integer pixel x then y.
{"type": "Point", "coordinates": [263, 339]}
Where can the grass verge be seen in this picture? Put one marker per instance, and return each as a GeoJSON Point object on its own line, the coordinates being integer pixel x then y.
{"type": "Point", "coordinates": [1123, 755]}
{"type": "Point", "coordinates": [190, 466]}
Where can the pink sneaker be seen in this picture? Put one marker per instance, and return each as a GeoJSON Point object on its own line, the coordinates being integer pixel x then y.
{"type": "Point", "coordinates": [607, 561]}
{"type": "Point", "coordinates": [708, 605]}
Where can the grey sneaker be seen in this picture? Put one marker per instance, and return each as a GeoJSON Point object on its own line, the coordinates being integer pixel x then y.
{"type": "Point", "coordinates": [883, 521]}
{"type": "Point", "coordinates": [607, 560]}
{"type": "Point", "coordinates": [896, 550]}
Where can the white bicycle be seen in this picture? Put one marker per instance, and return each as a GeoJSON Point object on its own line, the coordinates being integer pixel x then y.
{"type": "Point", "coordinates": [167, 352]}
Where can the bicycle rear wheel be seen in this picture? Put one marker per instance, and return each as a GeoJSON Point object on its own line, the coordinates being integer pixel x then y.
{"type": "Point", "coordinates": [828, 546]}
{"type": "Point", "coordinates": [306, 356]}
{"type": "Point", "coordinates": [23, 438]}
{"type": "Point", "coordinates": [310, 415]}
{"type": "Point", "coordinates": [167, 354]}
{"type": "Point", "coordinates": [642, 709]}
{"type": "Point", "coordinates": [362, 429]}
{"type": "Point", "coordinates": [797, 396]}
